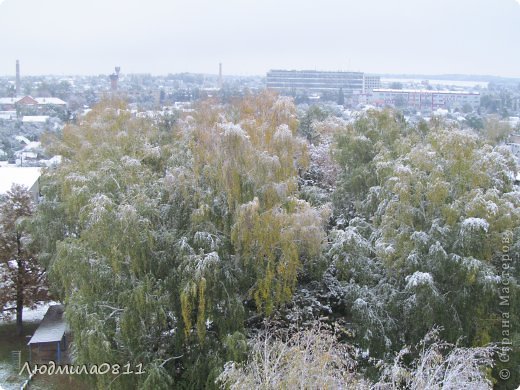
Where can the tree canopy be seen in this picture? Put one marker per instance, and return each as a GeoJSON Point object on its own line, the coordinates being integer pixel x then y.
{"type": "Point", "coordinates": [160, 242]}
{"type": "Point", "coordinates": [170, 244]}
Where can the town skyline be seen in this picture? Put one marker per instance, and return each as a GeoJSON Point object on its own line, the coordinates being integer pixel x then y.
{"type": "Point", "coordinates": [404, 37]}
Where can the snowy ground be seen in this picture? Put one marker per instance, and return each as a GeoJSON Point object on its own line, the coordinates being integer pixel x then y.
{"type": "Point", "coordinates": [6, 368]}
{"type": "Point", "coordinates": [32, 315]}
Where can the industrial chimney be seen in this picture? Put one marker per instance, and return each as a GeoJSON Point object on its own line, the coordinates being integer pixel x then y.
{"type": "Point", "coordinates": [114, 77]}
{"type": "Point", "coordinates": [18, 78]}
{"type": "Point", "coordinates": [220, 75]}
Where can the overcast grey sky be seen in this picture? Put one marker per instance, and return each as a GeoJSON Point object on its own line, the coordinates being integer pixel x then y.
{"type": "Point", "coordinates": [251, 37]}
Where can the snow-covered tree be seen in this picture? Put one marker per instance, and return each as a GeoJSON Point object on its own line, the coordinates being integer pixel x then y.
{"type": "Point", "coordinates": [162, 243]}
{"type": "Point", "coordinates": [438, 202]}
{"type": "Point", "coordinates": [22, 278]}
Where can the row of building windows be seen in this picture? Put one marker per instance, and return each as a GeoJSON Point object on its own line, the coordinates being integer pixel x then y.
{"type": "Point", "coordinates": [320, 81]}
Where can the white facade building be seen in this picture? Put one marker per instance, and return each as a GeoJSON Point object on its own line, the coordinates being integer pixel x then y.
{"type": "Point", "coordinates": [370, 83]}
{"type": "Point", "coordinates": [425, 99]}
{"type": "Point", "coordinates": [314, 81]}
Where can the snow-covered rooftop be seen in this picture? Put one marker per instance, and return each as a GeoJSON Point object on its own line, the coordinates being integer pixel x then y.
{"type": "Point", "coordinates": [45, 100]}
{"type": "Point", "coordinates": [33, 145]}
{"type": "Point", "coordinates": [426, 91]}
{"type": "Point", "coordinates": [53, 161]}
{"type": "Point", "coordinates": [50, 100]}
{"type": "Point", "coordinates": [7, 115]}
{"type": "Point", "coordinates": [25, 176]}
{"type": "Point", "coordinates": [9, 100]}
{"type": "Point", "coordinates": [52, 328]}
{"type": "Point", "coordinates": [35, 118]}
{"type": "Point", "coordinates": [21, 138]}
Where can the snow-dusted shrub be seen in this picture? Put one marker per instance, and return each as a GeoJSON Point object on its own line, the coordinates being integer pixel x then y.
{"type": "Point", "coordinates": [439, 365]}
{"type": "Point", "coordinates": [309, 359]}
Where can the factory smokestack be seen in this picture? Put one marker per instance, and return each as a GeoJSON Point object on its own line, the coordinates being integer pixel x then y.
{"type": "Point", "coordinates": [114, 77]}
{"type": "Point", "coordinates": [17, 78]}
{"type": "Point", "coordinates": [220, 75]}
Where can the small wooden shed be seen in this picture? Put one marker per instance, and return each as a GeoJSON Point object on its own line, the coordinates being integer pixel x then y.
{"type": "Point", "coordinates": [50, 336]}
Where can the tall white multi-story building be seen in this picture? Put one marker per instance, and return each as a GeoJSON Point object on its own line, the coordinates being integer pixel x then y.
{"type": "Point", "coordinates": [314, 81]}
{"type": "Point", "coordinates": [370, 83]}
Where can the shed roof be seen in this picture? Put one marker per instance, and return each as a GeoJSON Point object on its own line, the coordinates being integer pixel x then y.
{"type": "Point", "coordinates": [25, 176]}
{"type": "Point", "coordinates": [52, 328]}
